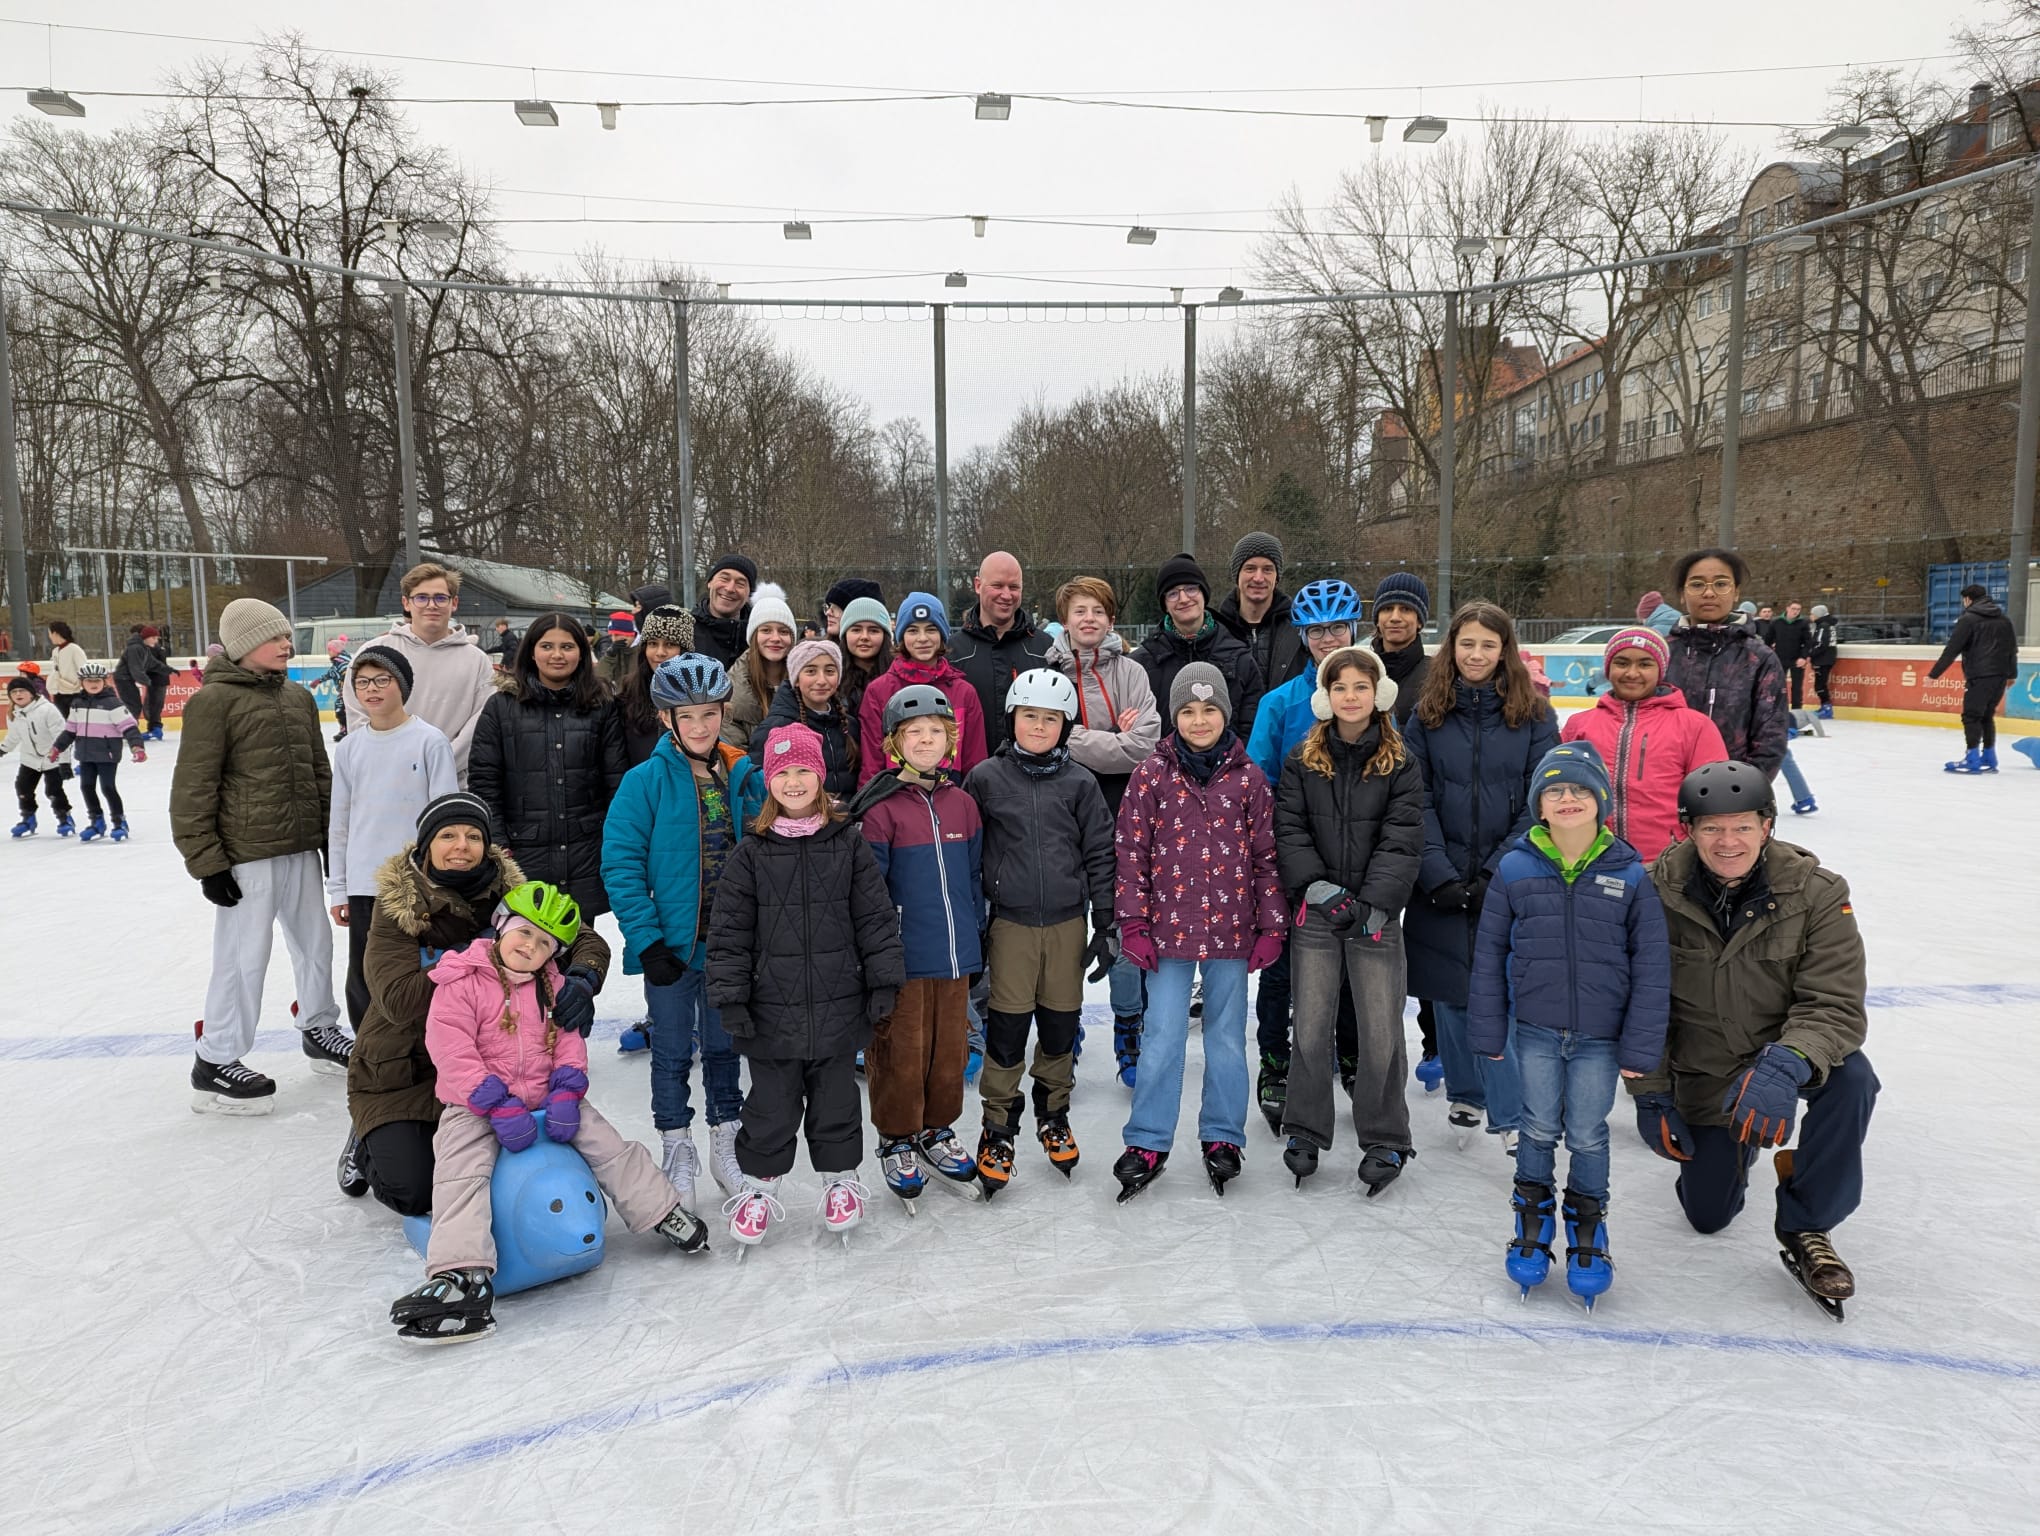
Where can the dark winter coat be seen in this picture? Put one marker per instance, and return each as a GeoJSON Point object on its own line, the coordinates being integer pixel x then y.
{"type": "Point", "coordinates": [252, 779]}
{"type": "Point", "coordinates": [991, 661]}
{"type": "Point", "coordinates": [1408, 668]}
{"type": "Point", "coordinates": [1984, 641]}
{"type": "Point", "coordinates": [721, 638]}
{"type": "Point", "coordinates": [1589, 956]}
{"type": "Point", "coordinates": [802, 934]}
{"type": "Point", "coordinates": [1276, 644]}
{"type": "Point", "coordinates": [143, 665]}
{"type": "Point", "coordinates": [1792, 639]}
{"type": "Point", "coordinates": [1734, 679]}
{"type": "Point", "coordinates": [548, 772]}
{"type": "Point", "coordinates": [98, 728]}
{"type": "Point", "coordinates": [834, 728]}
{"type": "Point", "coordinates": [1822, 649]}
{"type": "Point", "coordinates": [390, 1076]}
{"type": "Point", "coordinates": [1165, 653]}
{"type": "Point", "coordinates": [929, 843]}
{"type": "Point", "coordinates": [1363, 831]}
{"type": "Point", "coordinates": [1792, 971]}
{"type": "Point", "coordinates": [1048, 841]}
{"type": "Point", "coordinates": [1477, 773]}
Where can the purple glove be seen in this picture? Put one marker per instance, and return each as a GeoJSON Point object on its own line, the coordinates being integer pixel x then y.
{"type": "Point", "coordinates": [508, 1118]}
{"type": "Point", "coordinates": [1140, 949]}
{"type": "Point", "coordinates": [563, 1091]}
{"type": "Point", "coordinates": [1267, 950]}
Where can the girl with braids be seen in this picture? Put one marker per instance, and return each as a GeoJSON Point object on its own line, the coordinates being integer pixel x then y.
{"type": "Point", "coordinates": [500, 1055]}
{"type": "Point", "coordinates": [812, 695]}
{"type": "Point", "coordinates": [867, 639]}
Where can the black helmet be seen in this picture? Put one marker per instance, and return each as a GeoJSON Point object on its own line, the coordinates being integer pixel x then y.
{"type": "Point", "coordinates": [1723, 789]}
{"type": "Point", "coordinates": [917, 701]}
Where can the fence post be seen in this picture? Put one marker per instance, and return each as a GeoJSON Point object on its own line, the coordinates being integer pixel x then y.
{"type": "Point", "coordinates": [1448, 452]}
{"type": "Point", "coordinates": [10, 499]}
{"type": "Point", "coordinates": [407, 457]}
{"type": "Point", "coordinates": [105, 606]}
{"type": "Point", "coordinates": [1731, 390]}
{"type": "Point", "coordinates": [1190, 429]}
{"type": "Point", "coordinates": [2020, 555]}
{"type": "Point", "coordinates": [683, 445]}
{"type": "Point", "coordinates": [290, 599]}
{"type": "Point", "coordinates": [941, 452]}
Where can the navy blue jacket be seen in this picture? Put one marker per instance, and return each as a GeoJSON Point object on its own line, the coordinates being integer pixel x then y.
{"type": "Point", "coordinates": [1476, 803]}
{"type": "Point", "coordinates": [929, 843]}
{"type": "Point", "coordinates": [1590, 957]}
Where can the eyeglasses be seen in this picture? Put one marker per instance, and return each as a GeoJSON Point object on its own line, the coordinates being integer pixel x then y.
{"type": "Point", "coordinates": [1570, 792]}
{"type": "Point", "coordinates": [430, 599]}
{"type": "Point", "coordinates": [373, 682]}
{"type": "Point", "coordinates": [1341, 632]}
{"type": "Point", "coordinates": [1719, 584]}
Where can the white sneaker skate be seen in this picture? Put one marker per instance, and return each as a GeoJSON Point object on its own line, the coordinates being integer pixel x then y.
{"type": "Point", "coordinates": [1509, 1143]}
{"type": "Point", "coordinates": [683, 1164]}
{"type": "Point", "coordinates": [722, 1156]}
{"type": "Point", "coordinates": [752, 1210]}
{"type": "Point", "coordinates": [1465, 1119]}
{"type": "Point", "coordinates": [843, 1203]}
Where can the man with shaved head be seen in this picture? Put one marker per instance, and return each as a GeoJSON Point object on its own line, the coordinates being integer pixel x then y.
{"type": "Point", "coordinates": [997, 640]}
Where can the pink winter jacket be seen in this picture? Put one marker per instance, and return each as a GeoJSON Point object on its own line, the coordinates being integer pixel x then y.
{"type": "Point", "coordinates": [1649, 747]}
{"type": "Point", "coordinates": [465, 1037]}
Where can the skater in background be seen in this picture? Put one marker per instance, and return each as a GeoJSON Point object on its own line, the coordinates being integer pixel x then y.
{"type": "Point", "coordinates": [755, 676]}
{"type": "Point", "coordinates": [249, 804]}
{"type": "Point", "coordinates": [1648, 738]}
{"type": "Point", "coordinates": [928, 838]}
{"type": "Point", "coordinates": [866, 637]}
{"type": "Point", "coordinates": [665, 633]}
{"type": "Point", "coordinates": [803, 958]}
{"type": "Point", "coordinates": [1767, 1009]}
{"type": "Point", "coordinates": [66, 657]}
{"type": "Point", "coordinates": [812, 695]}
{"type": "Point", "coordinates": [1349, 840]}
{"type": "Point", "coordinates": [436, 896]}
{"type": "Point", "coordinates": [1723, 666]}
{"type": "Point", "coordinates": [33, 726]}
{"type": "Point", "coordinates": [1477, 734]}
{"type": "Point", "coordinates": [97, 726]}
{"type": "Point", "coordinates": [669, 835]}
{"type": "Point", "coordinates": [1987, 645]}
{"type": "Point", "coordinates": [923, 634]}
{"type": "Point", "coordinates": [142, 676]}
{"type": "Point", "coordinates": [335, 678]}
{"type": "Point", "coordinates": [1653, 612]}
{"type": "Point", "coordinates": [498, 1054]}
{"type": "Point", "coordinates": [1047, 869]}
{"type": "Point", "coordinates": [385, 771]}
{"type": "Point", "coordinates": [1196, 893]}
{"type": "Point", "coordinates": [1823, 652]}
{"type": "Point", "coordinates": [1571, 965]}
{"type": "Point", "coordinates": [1791, 639]}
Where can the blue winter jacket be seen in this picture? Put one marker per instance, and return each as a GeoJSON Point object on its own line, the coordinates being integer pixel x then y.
{"type": "Point", "coordinates": [651, 849]}
{"type": "Point", "coordinates": [1591, 957]}
{"type": "Point", "coordinates": [1476, 803]}
{"type": "Point", "coordinates": [1280, 725]}
{"type": "Point", "coordinates": [930, 848]}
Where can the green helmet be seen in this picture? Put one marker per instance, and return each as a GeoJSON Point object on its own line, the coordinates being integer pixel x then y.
{"type": "Point", "coordinates": [546, 907]}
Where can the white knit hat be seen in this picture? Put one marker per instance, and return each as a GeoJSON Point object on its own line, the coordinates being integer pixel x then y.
{"type": "Point", "coordinates": [770, 610]}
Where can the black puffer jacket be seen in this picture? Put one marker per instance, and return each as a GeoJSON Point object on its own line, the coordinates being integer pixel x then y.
{"type": "Point", "coordinates": [1360, 830]}
{"type": "Point", "coordinates": [721, 638]}
{"type": "Point", "coordinates": [1984, 641]}
{"type": "Point", "coordinates": [991, 661]}
{"type": "Point", "coordinates": [1276, 644]}
{"type": "Point", "coordinates": [1407, 668]}
{"type": "Point", "coordinates": [1792, 639]}
{"type": "Point", "coordinates": [142, 665]}
{"type": "Point", "coordinates": [802, 934]}
{"type": "Point", "coordinates": [834, 729]}
{"type": "Point", "coordinates": [1165, 653]}
{"type": "Point", "coordinates": [1049, 852]}
{"type": "Point", "coordinates": [1732, 677]}
{"type": "Point", "coordinates": [547, 771]}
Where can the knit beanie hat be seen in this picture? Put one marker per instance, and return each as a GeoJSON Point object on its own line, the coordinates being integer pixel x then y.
{"type": "Point", "coordinates": [1406, 588]}
{"type": "Point", "coordinates": [150, 632]}
{"type": "Point", "coordinates": [1572, 762]}
{"type": "Point", "coordinates": [770, 610]}
{"type": "Point", "coordinates": [24, 683]}
{"type": "Point", "coordinates": [919, 608]}
{"type": "Point", "coordinates": [623, 624]}
{"type": "Point", "coordinates": [1384, 686]}
{"type": "Point", "coordinates": [849, 589]}
{"type": "Point", "coordinates": [865, 610]}
{"type": "Point", "coordinates": [1181, 571]}
{"type": "Point", "coordinates": [792, 746]}
{"type": "Point", "coordinates": [1649, 604]}
{"type": "Point", "coordinates": [743, 565]}
{"type": "Point", "coordinates": [667, 625]}
{"type": "Point", "coordinates": [391, 662]}
{"type": "Point", "coordinates": [650, 596]}
{"type": "Point", "coordinates": [807, 651]}
{"type": "Point", "coordinates": [462, 808]}
{"type": "Point", "coordinates": [1820, 610]}
{"type": "Point", "coordinates": [247, 622]}
{"type": "Point", "coordinates": [1202, 683]}
{"type": "Point", "coordinates": [1649, 641]}
{"type": "Point", "coordinates": [1256, 546]}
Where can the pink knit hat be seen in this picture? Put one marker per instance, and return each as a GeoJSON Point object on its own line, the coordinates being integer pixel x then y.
{"type": "Point", "coordinates": [1649, 604]}
{"type": "Point", "coordinates": [793, 746]}
{"type": "Point", "coordinates": [1644, 639]}
{"type": "Point", "coordinates": [807, 651]}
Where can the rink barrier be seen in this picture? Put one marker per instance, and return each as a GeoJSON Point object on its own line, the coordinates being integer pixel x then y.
{"type": "Point", "coordinates": [622, 1417]}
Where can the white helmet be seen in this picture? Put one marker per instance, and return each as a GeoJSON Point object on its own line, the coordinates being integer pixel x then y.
{"type": "Point", "coordinates": [1043, 688]}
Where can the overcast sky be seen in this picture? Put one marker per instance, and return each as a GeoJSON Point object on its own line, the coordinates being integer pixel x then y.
{"type": "Point", "coordinates": [1117, 165]}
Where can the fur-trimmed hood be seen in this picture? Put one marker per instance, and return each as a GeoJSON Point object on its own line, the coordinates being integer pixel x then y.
{"type": "Point", "coordinates": [411, 900]}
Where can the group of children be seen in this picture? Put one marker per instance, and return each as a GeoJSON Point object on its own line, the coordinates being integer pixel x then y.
{"type": "Point", "coordinates": [86, 737]}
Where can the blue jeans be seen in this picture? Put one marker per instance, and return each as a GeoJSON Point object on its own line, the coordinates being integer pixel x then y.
{"type": "Point", "coordinates": [1129, 992]}
{"type": "Point", "coordinates": [1493, 1086]}
{"type": "Point", "coordinates": [1158, 1090]}
{"type": "Point", "coordinates": [1796, 780]}
{"type": "Point", "coordinates": [680, 1017]}
{"type": "Point", "coordinates": [1568, 1084]}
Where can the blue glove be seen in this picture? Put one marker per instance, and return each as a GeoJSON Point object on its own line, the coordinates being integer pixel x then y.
{"type": "Point", "coordinates": [563, 1093]}
{"type": "Point", "coordinates": [1663, 1128]}
{"type": "Point", "coordinates": [513, 1124]}
{"type": "Point", "coordinates": [1761, 1103]}
{"type": "Point", "coordinates": [574, 1008]}
{"type": "Point", "coordinates": [428, 956]}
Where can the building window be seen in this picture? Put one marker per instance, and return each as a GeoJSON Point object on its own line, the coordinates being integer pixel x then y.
{"type": "Point", "coordinates": [2015, 270]}
{"type": "Point", "coordinates": [1752, 343]}
{"type": "Point", "coordinates": [1781, 273]}
{"type": "Point", "coordinates": [1703, 410]}
{"type": "Point", "coordinates": [1816, 387]}
{"type": "Point", "coordinates": [1777, 342]}
{"type": "Point", "coordinates": [2004, 128]}
{"type": "Point", "coordinates": [1598, 420]}
{"type": "Point", "coordinates": [1749, 402]}
{"type": "Point", "coordinates": [1630, 383]}
{"type": "Point", "coordinates": [1979, 276]}
{"type": "Point", "coordinates": [1706, 305]}
{"type": "Point", "coordinates": [1671, 423]}
{"type": "Point", "coordinates": [1931, 286]}
{"type": "Point", "coordinates": [1760, 220]}
{"type": "Point", "coordinates": [1934, 222]}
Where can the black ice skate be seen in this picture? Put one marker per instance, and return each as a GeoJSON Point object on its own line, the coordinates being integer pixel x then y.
{"type": "Point", "coordinates": [329, 1047]}
{"type": "Point", "coordinates": [1811, 1259]}
{"type": "Point", "coordinates": [1136, 1169]}
{"type": "Point", "coordinates": [1221, 1164]}
{"type": "Point", "coordinates": [230, 1089]}
{"type": "Point", "coordinates": [447, 1309]}
{"type": "Point", "coordinates": [1272, 1089]}
{"type": "Point", "coordinates": [1300, 1158]}
{"type": "Point", "coordinates": [1381, 1165]}
{"type": "Point", "coordinates": [353, 1181]}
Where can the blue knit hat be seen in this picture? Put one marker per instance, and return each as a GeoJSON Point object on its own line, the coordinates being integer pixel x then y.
{"type": "Point", "coordinates": [1574, 762]}
{"type": "Point", "coordinates": [920, 608]}
{"type": "Point", "coordinates": [1406, 588]}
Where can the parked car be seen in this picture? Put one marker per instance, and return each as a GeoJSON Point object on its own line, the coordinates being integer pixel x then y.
{"type": "Point", "coordinates": [1588, 634]}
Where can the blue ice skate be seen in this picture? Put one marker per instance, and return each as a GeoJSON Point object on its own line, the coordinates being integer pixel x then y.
{"type": "Point", "coordinates": [1529, 1260]}
{"type": "Point", "coordinates": [25, 827]}
{"type": "Point", "coordinates": [1588, 1269]}
{"type": "Point", "coordinates": [97, 829]}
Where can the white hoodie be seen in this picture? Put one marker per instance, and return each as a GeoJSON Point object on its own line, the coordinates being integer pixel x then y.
{"type": "Point", "coordinates": [31, 732]}
{"type": "Point", "coordinates": [451, 679]}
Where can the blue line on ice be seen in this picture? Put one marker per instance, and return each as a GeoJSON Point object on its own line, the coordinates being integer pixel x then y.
{"type": "Point", "coordinates": [628, 1416]}
{"type": "Point", "coordinates": [75, 1047]}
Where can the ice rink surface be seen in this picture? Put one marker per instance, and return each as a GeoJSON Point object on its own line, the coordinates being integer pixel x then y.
{"type": "Point", "coordinates": [197, 1333]}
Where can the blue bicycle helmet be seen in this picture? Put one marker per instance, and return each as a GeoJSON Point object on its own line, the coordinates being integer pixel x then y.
{"type": "Point", "coordinates": [1325, 602]}
{"type": "Point", "coordinates": [689, 679]}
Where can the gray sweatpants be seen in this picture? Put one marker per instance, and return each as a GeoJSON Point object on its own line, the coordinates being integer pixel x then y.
{"type": "Point", "coordinates": [1319, 961]}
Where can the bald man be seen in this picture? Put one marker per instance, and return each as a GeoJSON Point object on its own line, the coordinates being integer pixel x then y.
{"type": "Point", "coordinates": [997, 640]}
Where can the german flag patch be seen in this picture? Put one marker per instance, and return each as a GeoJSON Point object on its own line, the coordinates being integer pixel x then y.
{"type": "Point", "coordinates": [1848, 909]}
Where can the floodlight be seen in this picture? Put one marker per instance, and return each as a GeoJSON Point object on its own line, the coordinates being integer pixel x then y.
{"type": "Point", "coordinates": [1846, 136]}
{"type": "Point", "coordinates": [1230, 295]}
{"type": "Point", "coordinates": [1140, 234]}
{"type": "Point", "coordinates": [956, 280]}
{"type": "Point", "coordinates": [1467, 247]}
{"type": "Point", "coordinates": [56, 103]}
{"type": "Point", "coordinates": [672, 288]}
{"type": "Point", "coordinates": [994, 107]}
{"type": "Point", "coordinates": [1424, 130]}
{"type": "Point", "coordinates": [537, 114]}
{"type": "Point", "coordinates": [796, 229]}
{"type": "Point", "coordinates": [609, 109]}
{"type": "Point", "coordinates": [1794, 245]}
{"type": "Point", "coordinates": [1376, 127]}
{"type": "Point", "coordinates": [977, 225]}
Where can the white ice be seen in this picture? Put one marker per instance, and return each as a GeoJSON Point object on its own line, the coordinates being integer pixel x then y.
{"type": "Point", "coordinates": [196, 1337]}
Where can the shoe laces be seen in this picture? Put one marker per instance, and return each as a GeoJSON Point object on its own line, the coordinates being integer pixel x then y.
{"type": "Point", "coordinates": [234, 1072]}
{"type": "Point", "coordinates": [1816, 1249]}
{"type": "Point", "coordinates": [733, 1206]}
{"type": "Point", "coordinates": [330, 1037]}
{"type": "Point", "coordinates": [843, 1195]}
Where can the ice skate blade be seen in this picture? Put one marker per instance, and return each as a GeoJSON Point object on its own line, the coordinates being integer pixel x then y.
{"type": "Point", "coordinates": [967, 1188]}
{"type": "Point", "coordinates": [1835, 1308]}
{"type": "Point", "coordinates": [907, 1201]}
{"type": "Point", "coordinates": [204, 1102]}
{"type": "Point", "coordinates": [324, 1068]}
{"type": "Point", "coordinates": [453, 1336]}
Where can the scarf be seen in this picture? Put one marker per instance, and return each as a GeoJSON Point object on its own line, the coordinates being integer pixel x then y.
{"type": "Point", "coordinates": [464, 883]}
{"type": "Point", "coordinates": [1039, 765]}
{"type": "Point", "coordinates": [931, 673]}
{"type": "Point", "coordinates": [800, 826]}
{"type": "Point", "coordinates": [1202, 765]}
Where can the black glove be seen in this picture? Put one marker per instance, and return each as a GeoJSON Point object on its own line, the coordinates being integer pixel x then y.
{"type": "Point", "coordinates": [1338, 907]}
{"type": "Point", "coordinates": [879, 1005]}
{"type": "Point", "coordinates": [1452, 896]}
{"type": "Point", "coordinates": [1476, 893]}
{"type": "Point", "coordinates": [1104, 951]}
{"type": "Point", "coordinates": [574, 1008]}
{"type": "Point", "coordinates": [662, 966]}
{"type": "Point", "coordinates": [222, 889]}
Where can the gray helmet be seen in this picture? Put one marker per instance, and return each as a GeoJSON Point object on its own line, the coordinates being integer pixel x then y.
{"type": "Point", "coordinates": [689, 679]}
{"type": "Point", "coordinates": [917, 701]}
{"type": "Point", "coordinates": [1723, 789]}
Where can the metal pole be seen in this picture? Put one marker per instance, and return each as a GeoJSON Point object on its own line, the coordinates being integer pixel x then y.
{"type": "Point", "coordinates": [1190, 429]}
{"type": "Point", "coordinates": [941, 451]}
{"type": "Point", "coordinates": [1448, 452]}
{"type": "Point", "coordinates": [10, 499]}
{"type": "Point", "coordinates": [1731, 390]}
{"type": "Point", "coordinates": [204, 598]}
{"type": "Point", "coordinates": [198, 635]}
{"type": "Point", "coordinates": [400, 327]}
{"type": "Point", "coordinates": [2021, 553]}
{"type": "Point", "coordinates": [105, 606]}
{"type": "Point", "coordinates": [290, 599]}
{"type": "Point", "coordinates": [682, 558]}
